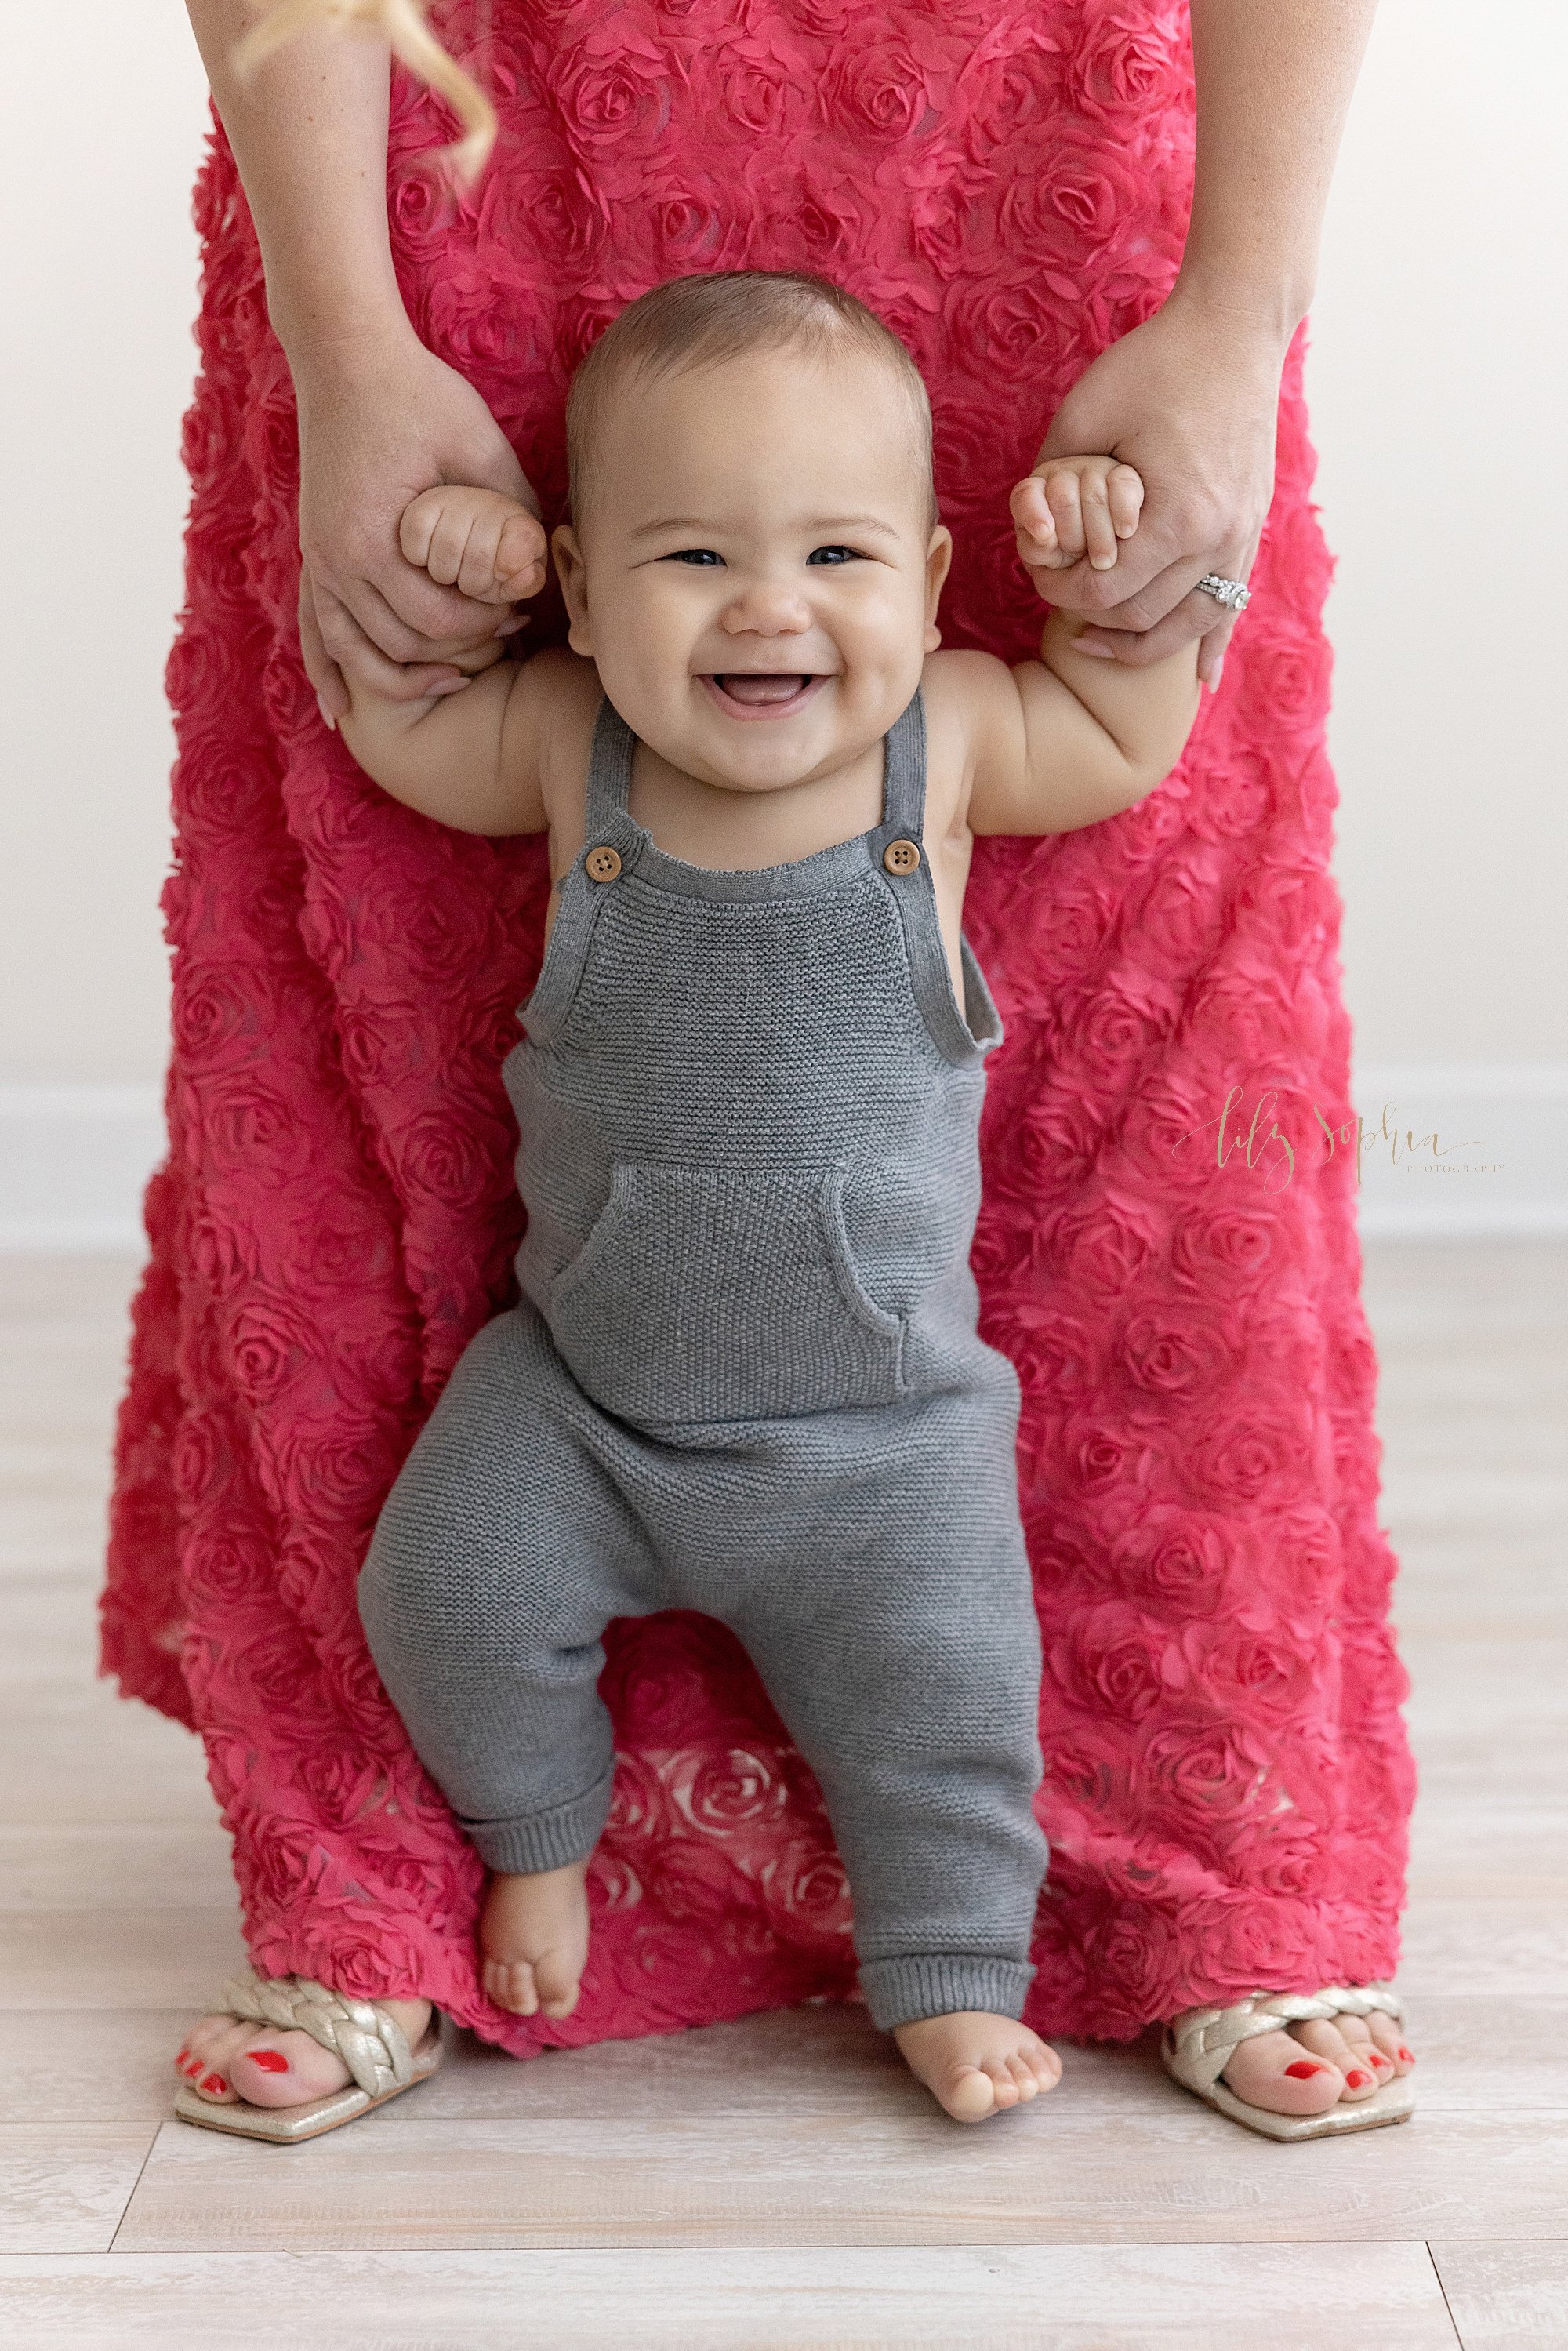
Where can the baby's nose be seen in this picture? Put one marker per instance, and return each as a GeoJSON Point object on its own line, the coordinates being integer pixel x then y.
{"type": "Point", "coordinates": [767, 608]}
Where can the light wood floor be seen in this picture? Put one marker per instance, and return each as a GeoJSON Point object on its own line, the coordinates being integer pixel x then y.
{"type": "Point", "coordinates": [781, 2182]}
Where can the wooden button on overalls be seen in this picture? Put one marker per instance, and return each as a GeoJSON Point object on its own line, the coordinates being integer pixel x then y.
{"type": "Point", "coordinates": [603, 864]}
{"type": "Point", "coordinates": [901, 856]}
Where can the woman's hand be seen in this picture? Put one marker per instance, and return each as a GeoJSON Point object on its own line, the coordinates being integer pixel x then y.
{"type": "Point", "coordinates": [380, 421]}
{"type": "Point", "coordinates": [1189, 399]}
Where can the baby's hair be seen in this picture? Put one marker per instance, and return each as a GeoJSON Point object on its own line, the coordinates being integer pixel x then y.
{"type": "Point", "coordinates": [695, 322]}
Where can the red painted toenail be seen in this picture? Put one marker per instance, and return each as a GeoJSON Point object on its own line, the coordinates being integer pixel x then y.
{"type": "Point", "coordinates": [194, 2067]}
{"type": "Point", "coordinates": [1302, 2072]}
{"type": "Point", "coordinates": [271, 2061]}
{"type": "Point", "coordinates": [1377, 2058]}
{"type": "Point", "coordinates": [1358, 2080]}
{"type": "Point", "coordinates": [182, 2057]}
{"type": "Point", "coordinates": [1406, 2056]}
{"type": "Point", "coordinates": [216, 2083]}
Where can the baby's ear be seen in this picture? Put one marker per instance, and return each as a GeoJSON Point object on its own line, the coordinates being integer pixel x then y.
{"type": "Point", "coordinates": [570, 571]}
{"type": "Point", "coordinates": [938, 563]}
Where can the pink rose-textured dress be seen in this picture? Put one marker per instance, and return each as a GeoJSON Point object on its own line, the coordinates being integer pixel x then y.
{"type": "Point", "coordinates": [1227, 1781]}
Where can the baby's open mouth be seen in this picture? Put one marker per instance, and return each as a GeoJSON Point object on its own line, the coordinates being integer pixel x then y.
{"type": "Point", "coordinates": [766, 692]}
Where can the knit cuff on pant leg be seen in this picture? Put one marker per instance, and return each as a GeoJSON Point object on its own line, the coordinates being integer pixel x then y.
{"type": "Point", "coordinates": [901, 1992]}
{"type": "Point", "coordinates": [543, 1840]}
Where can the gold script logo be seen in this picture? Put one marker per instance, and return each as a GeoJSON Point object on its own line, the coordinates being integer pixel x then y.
{"type": "Point", "coordinates": [1274, 1153]}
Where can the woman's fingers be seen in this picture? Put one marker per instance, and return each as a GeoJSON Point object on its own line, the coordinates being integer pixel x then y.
{"type": "Point", "coordinates": [1231, 564]}
{"type": "Point", "coordinates": [396, 628]}
{"type": "Point", "coordinates": [319, 666]}
{"type": "Point", "coordinates": [358, 658]}
{"type": "Point", "coordinates": [1138, 640]}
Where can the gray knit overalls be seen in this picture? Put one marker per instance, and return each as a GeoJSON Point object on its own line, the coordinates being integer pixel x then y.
{"type": "Point", "coordinates": [744, 1377]}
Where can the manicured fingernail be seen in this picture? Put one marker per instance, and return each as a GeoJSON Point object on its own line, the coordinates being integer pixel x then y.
{"type": "Point", "coordinates": [1215, 673]}
{"type": "Point", "coordinates": [1095, 653]}
{"type": "Point", "coordinates": [215, 2083]}
{"type": "Point", "coordinates": [1358, 2080]}
{"type": "Point", "coordinates": [271, 2061]}
{"type": "Point", "coordinates": [1302, 2072]}
{"type": "Point", "coordinates": [327, 717]}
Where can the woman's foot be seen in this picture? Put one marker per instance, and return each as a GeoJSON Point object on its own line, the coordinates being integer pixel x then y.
{"type": "Point", "coordinates": [533, 1940]}
{"type": "Point", "coordinates": [225, 2059]}
{"type": "Point", "coordinates": [974, 2064]}
{"type": "Point", "coordinates": [1305, 2069]}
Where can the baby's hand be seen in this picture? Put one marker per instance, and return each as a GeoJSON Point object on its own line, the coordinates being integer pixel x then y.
{"type": "Point", "coordinates": [1075, 507]}
{"type": "Point", "coordinates": [488, 546]}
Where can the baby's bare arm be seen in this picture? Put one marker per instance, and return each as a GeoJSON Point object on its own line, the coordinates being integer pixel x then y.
{"type": "Point", "coordinates": [1072, 738]}
{"type": "Point", "coordinates": [470, 757]}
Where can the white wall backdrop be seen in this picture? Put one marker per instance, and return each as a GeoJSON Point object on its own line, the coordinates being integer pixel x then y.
{"type": "Point", "coordinates": [1438, 352]}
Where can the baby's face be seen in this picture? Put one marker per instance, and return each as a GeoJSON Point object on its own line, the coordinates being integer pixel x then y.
{"type": "Point", "coordinates": [756, 575]}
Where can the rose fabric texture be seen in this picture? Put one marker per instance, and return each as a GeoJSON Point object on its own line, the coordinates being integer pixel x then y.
{"type": "Point", "coordinates": [1226, 1779]}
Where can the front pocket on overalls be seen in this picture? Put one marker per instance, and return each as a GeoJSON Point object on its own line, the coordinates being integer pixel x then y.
{"type": "Point", "coordinates": [722, 1293]}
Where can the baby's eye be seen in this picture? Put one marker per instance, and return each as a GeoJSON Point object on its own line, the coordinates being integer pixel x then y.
{"type": "Point", "coordinates": [834, 554]}
{"type": "Point", "coordinates": [695, 555]}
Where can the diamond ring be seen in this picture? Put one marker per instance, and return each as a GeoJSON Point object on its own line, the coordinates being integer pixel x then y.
{"type": "Point", "coordinates": [1234, 592]}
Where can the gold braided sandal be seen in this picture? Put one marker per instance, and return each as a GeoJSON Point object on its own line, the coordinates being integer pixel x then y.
{"type": "Point", "coordinates": [370, 2043]}
{"type": "Point", "coordinates": [1197, 2045]}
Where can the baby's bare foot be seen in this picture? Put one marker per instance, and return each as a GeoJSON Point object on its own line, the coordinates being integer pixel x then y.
{"type": "Point", "coordinates": [975, 2064]}
{"type": "Point", "coordinates": [534, 1937]}
{"type": "Point", "coordinates": [226, 2060]}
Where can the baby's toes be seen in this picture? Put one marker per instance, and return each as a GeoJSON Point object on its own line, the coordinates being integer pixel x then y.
{"type": "Point", "coordinates": [510, 1984]}
{"type": "Point", "coordinates": [558, 1977]}
{"type": "Point", "coordinates": [969, 2093]}
{"type": "Point", "coordinates": [1046, 2065]}
{"type": "Point", "coordinates": [1025, 2079]}
{"type": "Point", "coordinates": [998, 2071]}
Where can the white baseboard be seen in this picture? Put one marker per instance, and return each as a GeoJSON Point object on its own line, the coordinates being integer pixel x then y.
{"type": "Point", "coordinates": [74, 1159]}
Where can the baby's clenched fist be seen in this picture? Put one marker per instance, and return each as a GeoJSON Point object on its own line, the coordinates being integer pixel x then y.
{"type": "Point", "coordinates": [477, 541]}
{"type": "Point", "coordinates": [1075, 507]}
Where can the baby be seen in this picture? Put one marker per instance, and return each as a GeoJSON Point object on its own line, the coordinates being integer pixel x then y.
{"type": "Point", "coordinates": [744, 1375]}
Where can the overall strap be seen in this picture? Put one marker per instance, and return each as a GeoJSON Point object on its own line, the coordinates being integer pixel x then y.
{"type": "Point", "coordinates": [903, 771]}
{"type": "Point", "coordinates": [609, 770]}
